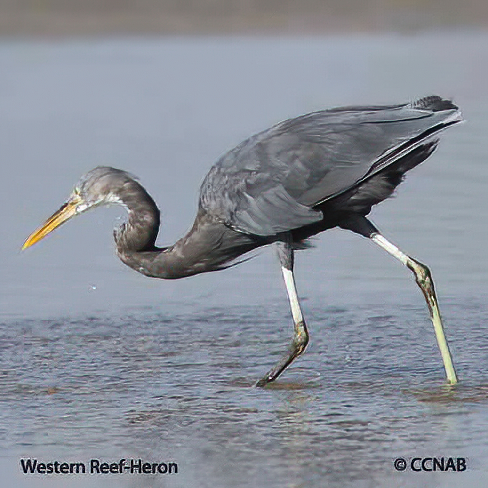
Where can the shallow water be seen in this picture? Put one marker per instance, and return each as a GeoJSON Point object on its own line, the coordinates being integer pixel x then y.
{"type": "Point", "coordinates": [99, 362]}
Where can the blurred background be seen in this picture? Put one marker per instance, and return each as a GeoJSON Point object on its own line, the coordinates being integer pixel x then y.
{"type": "Point", "coordinates": [189, 17]}
{"type": "Point", "coordinates": [163, 88]}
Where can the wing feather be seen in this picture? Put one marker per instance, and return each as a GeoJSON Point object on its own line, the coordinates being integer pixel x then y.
{"type": "Point", "coordinates": [271, 182]}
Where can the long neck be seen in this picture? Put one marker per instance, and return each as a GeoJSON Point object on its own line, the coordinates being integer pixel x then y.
{"type": "Point", "coordinates": [208, 245]}
{"type": "Point", "coordinates": [136, 238]}
{"type": "Point", "coordinates": [139, 233]}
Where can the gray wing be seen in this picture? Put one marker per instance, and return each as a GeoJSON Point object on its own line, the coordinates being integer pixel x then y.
{"type": "Point", "coordinates": [271, 182]}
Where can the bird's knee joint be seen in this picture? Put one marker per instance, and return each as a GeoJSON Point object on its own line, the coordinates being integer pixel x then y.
{"type": "Point", "coordinates": [301, 338]}
{"type": "Point", "coordinates": [423, 276]}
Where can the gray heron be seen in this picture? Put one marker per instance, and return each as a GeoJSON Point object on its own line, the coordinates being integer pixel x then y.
{"type": "Point", "coordinates": [281, 186]}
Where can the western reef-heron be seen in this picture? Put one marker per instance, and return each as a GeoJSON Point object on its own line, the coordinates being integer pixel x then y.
{"type": "Point", "coordinates": [300, 177]}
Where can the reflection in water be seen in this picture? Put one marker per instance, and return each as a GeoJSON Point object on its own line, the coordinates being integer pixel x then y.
{"type": "Point", "coordinates": [449, 394]}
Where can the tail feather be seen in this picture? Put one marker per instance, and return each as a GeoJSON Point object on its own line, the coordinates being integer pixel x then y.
{"type": "Point", "coordinates": [433, 103]}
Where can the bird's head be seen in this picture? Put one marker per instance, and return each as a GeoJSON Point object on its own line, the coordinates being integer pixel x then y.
{"type": "Point", "coordinates": [100, 186]}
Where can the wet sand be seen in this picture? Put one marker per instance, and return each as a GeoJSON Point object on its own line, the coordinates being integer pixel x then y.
{"type": "Point", "coordinates": [192, 17]}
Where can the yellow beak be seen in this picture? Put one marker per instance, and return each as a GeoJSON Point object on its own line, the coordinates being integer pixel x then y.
{"type": "Point", "coordinates": [67, 211]}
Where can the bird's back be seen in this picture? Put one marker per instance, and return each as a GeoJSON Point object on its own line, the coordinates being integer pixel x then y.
{"type": "Point", "coordinates": [277, 180]}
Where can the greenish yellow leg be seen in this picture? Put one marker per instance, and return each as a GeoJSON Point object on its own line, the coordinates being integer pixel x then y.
{"type": "Point", "coordinates": [423, 278]}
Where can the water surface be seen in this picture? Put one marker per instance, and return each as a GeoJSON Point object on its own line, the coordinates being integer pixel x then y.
{"type": "Point", "coordinates": [97, 361]}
